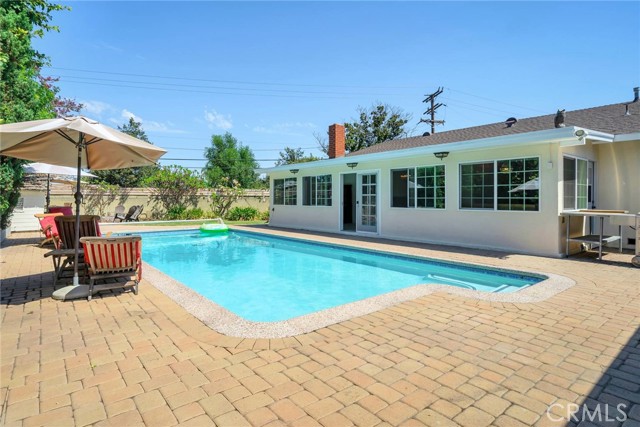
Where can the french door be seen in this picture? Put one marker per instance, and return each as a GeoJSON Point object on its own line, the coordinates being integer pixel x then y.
{"type": "Point", "coordinates": [367, 203]}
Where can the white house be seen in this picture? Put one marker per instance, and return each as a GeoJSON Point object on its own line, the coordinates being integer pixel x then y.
{"type": "Point", "coordinates": [498, 186]}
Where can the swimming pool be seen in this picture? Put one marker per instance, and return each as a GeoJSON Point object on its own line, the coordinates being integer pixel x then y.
{"type": "Point", "coordinates": [263, 278]}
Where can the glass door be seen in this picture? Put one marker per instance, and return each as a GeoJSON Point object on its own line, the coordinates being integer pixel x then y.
{"type": "Point", "coordinates": [367, 202]}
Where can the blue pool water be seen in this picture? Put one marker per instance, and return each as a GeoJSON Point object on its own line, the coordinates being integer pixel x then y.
{"type": "Point", "coordinates": [265, 279]}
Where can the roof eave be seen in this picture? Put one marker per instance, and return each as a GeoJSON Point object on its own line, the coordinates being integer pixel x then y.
{"type": "Point", "coordinates": [565, 136]}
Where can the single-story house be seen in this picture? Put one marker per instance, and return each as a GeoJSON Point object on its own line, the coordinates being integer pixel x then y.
{"type": "Point", "coordinates": [497, 186]}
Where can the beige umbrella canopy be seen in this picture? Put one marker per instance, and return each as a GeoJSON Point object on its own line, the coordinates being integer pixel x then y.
{"type": "Point", "coordinates": [76, 141]}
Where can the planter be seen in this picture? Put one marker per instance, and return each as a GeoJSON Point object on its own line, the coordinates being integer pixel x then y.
{"type": "Point", "coordinates": [4, 233]}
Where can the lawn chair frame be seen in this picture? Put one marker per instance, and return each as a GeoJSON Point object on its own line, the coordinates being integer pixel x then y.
{"type": "Point", "coordinates": [113, 258]}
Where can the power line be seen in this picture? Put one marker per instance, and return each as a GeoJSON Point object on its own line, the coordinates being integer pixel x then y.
{"type": "Point", "coordinates": [226, 81]}
{"type": "Point", "coordinates": [206, 160]}
{"type": "Point", "coordinates": [206, 91]}
{"type": "Point", "coordinates": [252, 149]}
{"type": "Point", "coordinates": [221, 87]}
{"type": "Point", "coordinates": [499, 102]}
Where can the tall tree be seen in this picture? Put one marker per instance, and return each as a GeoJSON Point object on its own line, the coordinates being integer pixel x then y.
{"type": "Point", "coordinates": [294, 155]}
{"type": "Point", "coordinates": [129, 177]}
{"type": "Point", "coordinates": [375, 125]}
{"type": "Point", "coordinates": [23, 96]}
{"type": "Point", "coordinates": [229, 160]}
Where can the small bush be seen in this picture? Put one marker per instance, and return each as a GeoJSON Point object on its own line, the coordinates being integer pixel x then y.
{"type": "Point", "coordinates": [175, 212]}
{"type": "Point", "coordinates": [264, 216]}
{"type": "Point", "coordinates": [242, 214]}
{"type": "Point", "coordinates": [195, 213]}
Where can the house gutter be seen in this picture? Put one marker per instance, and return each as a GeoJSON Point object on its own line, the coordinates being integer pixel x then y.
{"type": "Point", "coordinates": [627, 137]}
{"type": "Point", "coordinates": [565, 136]}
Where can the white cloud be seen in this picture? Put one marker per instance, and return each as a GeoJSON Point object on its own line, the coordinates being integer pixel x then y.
{"type": "Point", "coordinates": [147, 125]}
{"type": "Point", "coordinates": [95, 107]}
{"type": "Point", "coordinates": [217, 120]}
{"type": "Point", "coordinates": [126, 114]}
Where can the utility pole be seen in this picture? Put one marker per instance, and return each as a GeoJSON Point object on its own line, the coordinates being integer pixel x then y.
{"type": "Point", "coordinates": [432, 109]}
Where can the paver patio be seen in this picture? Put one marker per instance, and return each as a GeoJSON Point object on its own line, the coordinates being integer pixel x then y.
{"type": "Point", "coordinates": [442, 359]}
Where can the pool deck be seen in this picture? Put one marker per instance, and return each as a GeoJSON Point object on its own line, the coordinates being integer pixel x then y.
{"type": "Point", "coordinates": [441, 359]}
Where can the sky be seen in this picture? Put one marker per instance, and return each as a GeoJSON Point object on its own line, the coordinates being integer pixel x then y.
{"type": "Point", "coordinates": [276, 74]}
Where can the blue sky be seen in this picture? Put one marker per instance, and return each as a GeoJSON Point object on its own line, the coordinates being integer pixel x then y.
{"type": "Point", "coordinates": [275, 73]}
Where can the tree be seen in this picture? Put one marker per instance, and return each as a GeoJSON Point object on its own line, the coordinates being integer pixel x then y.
{"type": "Point", "coordinates": [227, 158]}
{"type": "Point", "coordinates": [174, 188]}
{"type": "Point", "coordinates": [378, 124]}
{"type": "Point", "coordinates": [294, 155]}
{"type": "Point", "coordinates": [225, 195]}
{"type": "Point", "coordinates": [129, 177]}
{"type": "Point", "coordinates": [23, 96]}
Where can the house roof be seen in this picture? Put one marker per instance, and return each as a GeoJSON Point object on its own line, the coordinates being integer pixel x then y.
{"type": "Point", "coordinates": [609, 119]}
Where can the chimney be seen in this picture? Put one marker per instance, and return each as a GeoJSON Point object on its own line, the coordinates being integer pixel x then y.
{"type": "Point", "coordinates": [336, 141]}
{"type": "Point", "coordinates": [636, 94]}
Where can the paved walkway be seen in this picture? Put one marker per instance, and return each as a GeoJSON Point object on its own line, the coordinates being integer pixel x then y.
{"type": "Point", "coordinates": [445, 360]}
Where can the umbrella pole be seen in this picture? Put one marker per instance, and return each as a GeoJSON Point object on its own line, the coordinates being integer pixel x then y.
{"type": "Point", "coordinates": [78, 198]}
{"type": "Point", "coordinates": [48, 198]}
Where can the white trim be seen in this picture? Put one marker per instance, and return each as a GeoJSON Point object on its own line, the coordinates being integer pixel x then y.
{"type": "Point", "coordinates": [561, 135]}
{"type": "Point", "coordinates": [635, 136]}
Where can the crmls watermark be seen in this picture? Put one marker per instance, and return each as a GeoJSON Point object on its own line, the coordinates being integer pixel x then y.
{"type": "Point", "coordinates": [578, 413]}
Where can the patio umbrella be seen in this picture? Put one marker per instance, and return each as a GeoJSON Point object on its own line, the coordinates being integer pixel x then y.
{"type": "Point", "coordinates": [47, 169]}
{"type": "Point", "coordinates": [533, 184]}
{"type": "Point", "coordinates": [76, 141]}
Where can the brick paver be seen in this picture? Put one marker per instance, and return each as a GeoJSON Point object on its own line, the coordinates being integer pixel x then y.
{"type": "Point", "coordinates": [442, 359]}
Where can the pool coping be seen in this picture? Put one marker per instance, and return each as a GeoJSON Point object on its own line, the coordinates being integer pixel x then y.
{"type": "Point", "coordinates": [228, 323]}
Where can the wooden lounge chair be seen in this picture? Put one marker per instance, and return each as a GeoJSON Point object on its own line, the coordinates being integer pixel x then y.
{"type": "Point", "coordinates": [64, 256]}
{"type": "Point", "coordinates": [48, 228]}
{"type": "Point", "coordinates": [136, 215]}
{"type": "Point", "coordinates": [119, 213]}
{"type": "Point", "coordinates": [110, 258]}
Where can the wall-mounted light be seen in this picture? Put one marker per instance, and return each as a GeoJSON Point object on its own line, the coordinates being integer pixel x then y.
{"type": "Point", "coordinates": [441, 154]}
{"type": "Point", "coordinates": [294, 171]}
{"type": "Point", "coordinates": [580, 133]}
{"type": "Point", "coordinates": [352, 164]}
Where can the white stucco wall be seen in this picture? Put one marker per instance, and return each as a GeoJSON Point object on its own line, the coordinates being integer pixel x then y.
{"type": "Point", "coordinates": [617, 186]}
{"type": "Point", "coordinates": [528, 232]}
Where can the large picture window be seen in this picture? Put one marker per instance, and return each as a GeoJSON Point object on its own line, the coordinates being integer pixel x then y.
{"type": "Point", "coordinates": [285, 191]}
{"type": "Point", "coordinates": [421, 187]}
{"type": "Point", "coordinates": [511, 185]}
{"type": "Point", "coordinates": [316, 190]}
{"type": "Point", "coordinates": [575, 178]}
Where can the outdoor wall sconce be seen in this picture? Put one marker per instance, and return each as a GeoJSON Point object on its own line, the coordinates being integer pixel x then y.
{"type": "Point", "coordinates": [352, 165]}
{"type": "Point", "coordinates": [294, 171]}
{"type": "Point", "coordinates": [580, 134]}
{"type": "Point", "coordinates": [441, 154]}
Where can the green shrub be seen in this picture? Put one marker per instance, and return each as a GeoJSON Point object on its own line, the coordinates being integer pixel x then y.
{"type": "Point", "coordinates": [242, 214]}
{"type": "Point", "coordinates": [176, 212]}
{"type": "Point", "coordinates": [264, 216]}
{"type": "Point", "coordinates": [195, 213]}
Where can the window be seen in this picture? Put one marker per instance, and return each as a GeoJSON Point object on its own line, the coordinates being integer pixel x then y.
{"type": "Point", "coordinates": [476, 186]}
{"type": "Point", "coordinates": [316, 190]}
{"type": "Point", "coordinates": [518, 184]}
{"type": "Point", "coordinates": [285, 191]}
{"type": "Point", "coordinates": [575, 183]}
{"type": "Point", "coordinates": [421, 187]}
{"type": "Point", "coordinates": [506, 185]}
